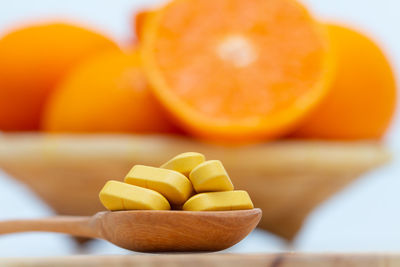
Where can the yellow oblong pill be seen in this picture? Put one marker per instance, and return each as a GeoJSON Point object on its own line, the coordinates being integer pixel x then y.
{"type": "Point", "coordinates": [121, 196]}
{"type": "Point", "coordinates": [218, 201]}
{"type": "Point", "coordinates": [210, 176]}
{"type": "Point", "coordinates": [171, 184]}
{"type": "Point", "coordinates": [184, 163]}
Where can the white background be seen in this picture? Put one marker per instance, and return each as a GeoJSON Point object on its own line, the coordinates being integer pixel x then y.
{"type": "Point", "coordinates": [363, 217]}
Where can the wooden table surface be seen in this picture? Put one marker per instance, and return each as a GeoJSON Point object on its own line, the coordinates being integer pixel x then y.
{"type": "Point", "coordinates": [214, 260]}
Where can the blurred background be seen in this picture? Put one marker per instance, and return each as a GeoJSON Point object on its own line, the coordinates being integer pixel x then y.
{"type": "Point", "coordinates": [363, 217]}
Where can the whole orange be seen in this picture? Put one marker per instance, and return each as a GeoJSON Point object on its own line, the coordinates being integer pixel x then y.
{"type": "Point", "coordinates": [32, 60]}
{"type": "Point", "coordinates": [138, 21]}
{"type": "Point", "coordinates": [108, 93]}
{"type": "Point", "coordinates": [362, 98]}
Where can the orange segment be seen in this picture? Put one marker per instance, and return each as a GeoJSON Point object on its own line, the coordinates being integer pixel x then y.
{"type": "Point", "coordinates": [108, 93]}
{"type": "Point", "coordinates": [361, 102]}
{"type": "Point", "coordinates": [236, 70]}
{"type": "Point", "coordinates": [32, 61]}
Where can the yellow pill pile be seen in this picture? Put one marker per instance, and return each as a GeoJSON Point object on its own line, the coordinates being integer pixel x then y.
{"type": "Point", "coordinates": [187, 182]}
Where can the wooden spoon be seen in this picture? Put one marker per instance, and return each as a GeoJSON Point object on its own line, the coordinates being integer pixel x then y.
{"type": "Point", "coordinates": [151, 231]}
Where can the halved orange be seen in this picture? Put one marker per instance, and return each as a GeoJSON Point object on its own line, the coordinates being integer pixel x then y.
{"type": "Point", "coordinates": [236, 70]}
{"type": "Point", "coordinates": [362, 99]}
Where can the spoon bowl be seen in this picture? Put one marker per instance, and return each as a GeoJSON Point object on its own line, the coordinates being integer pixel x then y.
{"type": "Point", "coordinates": [155, 231]}
{"type": "Point", "coordinates": [151, 231]}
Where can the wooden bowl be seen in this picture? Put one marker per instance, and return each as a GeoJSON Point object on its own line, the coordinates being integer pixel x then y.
{"type": "Point", "coordinates": [286, 179]}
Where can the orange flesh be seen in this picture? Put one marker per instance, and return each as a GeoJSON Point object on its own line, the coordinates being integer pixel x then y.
{"type": "Point", "coordinates": [255, 65]}
{"type": "Point", "coordinates": [361, 102]}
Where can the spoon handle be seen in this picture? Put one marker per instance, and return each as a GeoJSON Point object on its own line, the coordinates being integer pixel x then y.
{"type": "Point", "coordinates": [73, 225]}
